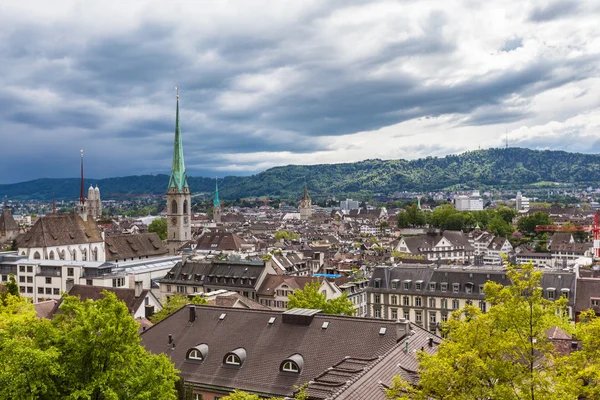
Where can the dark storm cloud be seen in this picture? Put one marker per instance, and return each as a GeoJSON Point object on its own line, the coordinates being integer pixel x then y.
{"type": "Point", "coordinates": [113, 92]}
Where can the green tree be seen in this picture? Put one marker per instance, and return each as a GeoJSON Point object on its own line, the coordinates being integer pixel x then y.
{"type": "Point", "coordinates": [310, 297]}
{"type": "Point", "coordinates": [286, 235]}
{"type": "Point", "coordinates": [526, 225]}
{"type": "Point", "coordinates": [11, 286]}
{"type": "Point", "coordinates": [415, 216]}
{"type": "Point", "coordinates": [499, 226]}
{"type": "Point", "coordinates": [502, 354]}
{"type": "Point", "coordinates": [506, 213]}
{"type": "Point", "coordinates": [173, 304]}
{"type": "Point", "coordinates": [159, 225]}
{"type": "Point", "coordinates": [241, 395]}
{"type": "Point", "coordinates": [403, 220]}
{"type": "Point", "coordinates": [91, 350]}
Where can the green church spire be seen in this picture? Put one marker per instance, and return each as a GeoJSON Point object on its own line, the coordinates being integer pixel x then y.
{"type": "Point", "coordinates": [178, 176]}
{"type": "Point", "coordinates": [217, 202]}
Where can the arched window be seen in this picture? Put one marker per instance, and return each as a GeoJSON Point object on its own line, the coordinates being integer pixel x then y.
{"type": "Point", "coordinates": [293, 363]}
{"type": "Point", "coordinates": [95, 254]}
{"type": "Point", "coordinates": [290, 366]}
{"type": "Point", "coordinates": [61, 255]}
{"type": "Point", "coordinates": [232, 359]}
{"type": "Point", "coordinates": [236, 357]}
{"type": "Point", "coordinates": [198, 353]}
{"type": "Point", "coordinates": [74, 255]}
{"type": "Point", "coordinates": [174, 207]}
{"type": "Point", "coordinates": [185, 207]}
{"type": "Point", "coordinates": [51, 255]}
{"type": "Point", "coordinates": [84, 255]}
{"type": "Point", "coordinates": [36, 255]}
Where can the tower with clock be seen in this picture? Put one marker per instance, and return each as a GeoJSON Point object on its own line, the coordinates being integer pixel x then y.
{"type": "Point", "coordinates": [179, 226]}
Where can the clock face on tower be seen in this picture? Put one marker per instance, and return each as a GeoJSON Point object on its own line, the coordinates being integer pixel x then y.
{"type": "Point", "coordinates": [185, 220]}
{"type": "Point", "coordinates": [174, 220]}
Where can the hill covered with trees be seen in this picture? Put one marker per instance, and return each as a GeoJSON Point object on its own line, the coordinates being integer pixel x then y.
{"type": "Point", "coordinates": [498, 168]}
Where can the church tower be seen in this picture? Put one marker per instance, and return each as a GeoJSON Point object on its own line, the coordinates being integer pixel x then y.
{"type": "Point", "coordinates": [305, 205]}
{"type": "Point", "coordinates": [81, 208]}
{"type": "Point", "coordinates": [217, 204]}
{"type": "Point", "coordinates": [179, 227]}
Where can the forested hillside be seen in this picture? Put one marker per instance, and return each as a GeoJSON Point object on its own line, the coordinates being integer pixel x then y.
{"type": "Point", "coordinates": [513, 167]}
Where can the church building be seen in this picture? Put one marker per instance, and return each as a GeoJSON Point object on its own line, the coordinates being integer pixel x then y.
{"type": "Point", "coordinates": [217, 205]}
{"type": "Point", "coordinates": [305, 205]}
{"type": "Point", "coordinates": [179, 227]}
{"type": "Point", "coordinates": [9, 229]}
{"type": "Point", "coordinates": [92, 206]}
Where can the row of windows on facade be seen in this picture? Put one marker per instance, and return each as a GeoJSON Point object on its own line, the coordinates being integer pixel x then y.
{"type": "Point", "coordinates": [418, 316]}
{"type": "Point", "coordinates": [418, 302]}
{"type": "Point", "coordinates": [238, 356]}
{"type": "Point", "coordinates": [213, 279]}
{"type": "Point", "coordinates": [29, 270]}
{"type": "Point", "coordinates": [62, 255]}
{"type": "Point", "coordinates": [419, 285]}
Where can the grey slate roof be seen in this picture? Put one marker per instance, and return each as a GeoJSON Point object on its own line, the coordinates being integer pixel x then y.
{"type": "Point", "coordinates": [227, 274]}
{"type": "Point", "coordinates": [266, 345]}
{"type": "Point", "coordinates": [7, 222]}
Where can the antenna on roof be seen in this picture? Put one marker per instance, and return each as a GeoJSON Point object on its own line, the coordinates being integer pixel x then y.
{"type": "Point", "coordinates": [506, 140]}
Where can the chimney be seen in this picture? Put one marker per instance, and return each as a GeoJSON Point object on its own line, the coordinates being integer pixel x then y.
{"type": "Point", "coordinates": [402, 329]}
{"type": "Point", "coordinates": [138, 287]}
{"type": "Point", "coordinates": [170, 338]}
{"type": "Point", "coordinates": [192, 313]}
{"type": "Point", "coordinates": [131, 278]}
{"type": "Point", "coordinates": [430, 341]}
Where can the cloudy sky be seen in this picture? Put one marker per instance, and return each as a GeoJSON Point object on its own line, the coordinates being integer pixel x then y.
{"type": "Point", "coordinates": [266, 83]}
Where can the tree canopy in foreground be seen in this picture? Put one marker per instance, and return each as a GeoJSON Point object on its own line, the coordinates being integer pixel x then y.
{"type": "Point", "coordinates": [506, 354]}
{"type": "Point", "coordinates": [91, 350]}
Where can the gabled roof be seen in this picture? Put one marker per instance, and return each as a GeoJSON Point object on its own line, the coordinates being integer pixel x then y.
{"type": "Point", "coordinates": [134, 246]}
{"type": "Point", "coordinates": [220, 241]}
{"type": "Point", "coordinates": [272, 282]}
{"type": "Point", "coordinates": [7, 222]}
{"type": "Point", "coordinates": [126, 295]}
{"type": "Point", "coordinates": [60, 230]}
{"type": "Point", "coordinates": [266, 344]}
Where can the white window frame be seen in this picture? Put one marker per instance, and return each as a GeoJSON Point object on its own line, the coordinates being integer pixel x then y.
{"type": "Point", "coordinates": [232, 359]}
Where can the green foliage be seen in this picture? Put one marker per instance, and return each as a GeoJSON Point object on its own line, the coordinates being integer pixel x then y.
{"type": "Point", "coordinates": [11, 286]}
{"type": "Point", "coordinates": [526, 225]}
{"type": "Point", "coordinates": [501, 354]}
{"type": "Point", "coordinates": [286, 235]}
{"type": "Point", "coordinates": [174, 303]}
{"type": "Point", "coordinates": [241, 395]}
{"type": "Point", "coordinates": [511, 168]}
{"type": "Point", "coordinates": [310, 297]}
{"type": "Point", "coordinates": [412, 216]}
{"type": "Point", "coordinates": [159, 225]}
{"type": "Point", "coordinates": [500, 226]}
{"type": "Point", "coordinates": [91, 350]}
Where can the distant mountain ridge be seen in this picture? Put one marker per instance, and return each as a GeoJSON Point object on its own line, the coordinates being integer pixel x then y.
{"type": "Point", "coordinates": [506, 168]}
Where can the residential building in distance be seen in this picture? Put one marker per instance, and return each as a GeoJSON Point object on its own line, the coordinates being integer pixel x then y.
{"type": "Point", "coordinates": [433, 246]}
{"type": "Point", "coordinates": [204, 276]}
{"type": "Point", "coordinates": [271, 353]}
{"type": "Point", "coordinates": [426, 296]}
{"type": "Point", "coordinates": [349, 204]}
{"type": "Point", "coordinates": [9, 229]}
{"type": "Point", "coordinates": [474, 202]}
{"type": "Point", "coordinates": [522, 203]}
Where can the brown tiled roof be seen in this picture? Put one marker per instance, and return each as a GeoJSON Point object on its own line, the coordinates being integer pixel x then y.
{"type": "Point", "coordinates": [134, 246]}
{"type": "Point", "coordinates": [273, 281]}
{"type": "Point", "coordinates": [44, 309]}
{"type": "Point", "coordinates": [7, 222]}
{"type": "Point", "coordinates": [60, 230]}
{"type": "Point", "coordinates": [126, 295]}
{"type": "Point", "coordinates": [266, 345]}
{"type": "Point", "coordinates": [234, 299]}
{"type": "Point", "coordinates": [220, 241]}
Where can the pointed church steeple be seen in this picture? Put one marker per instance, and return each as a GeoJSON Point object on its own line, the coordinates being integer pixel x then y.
{"type": "Point", "coordinates": [178, 176]}
{"type": "Point", "coordinates": [217, 203]}
{"type": "Point", "coordinates": [305, 196]}
{"type": "Point", "coordinates": [81, 186]}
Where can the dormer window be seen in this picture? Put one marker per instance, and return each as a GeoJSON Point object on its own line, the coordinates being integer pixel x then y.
{"type": "Point", "coordinates": [198, 353]}
{"type": "Point", "coordinates": [235, 358]}
{"type": "Point", "coordinates": [232, 359]}
{"type": "Point", "coordinates": [377, 283]}
{"type": "Point", "coordinates": [293, 364]}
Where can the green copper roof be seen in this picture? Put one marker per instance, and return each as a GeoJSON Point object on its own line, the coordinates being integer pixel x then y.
{"type": "Point", "coordinates": [217, 202]}
{"type": "Point", "coordinates": [178, 177]}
